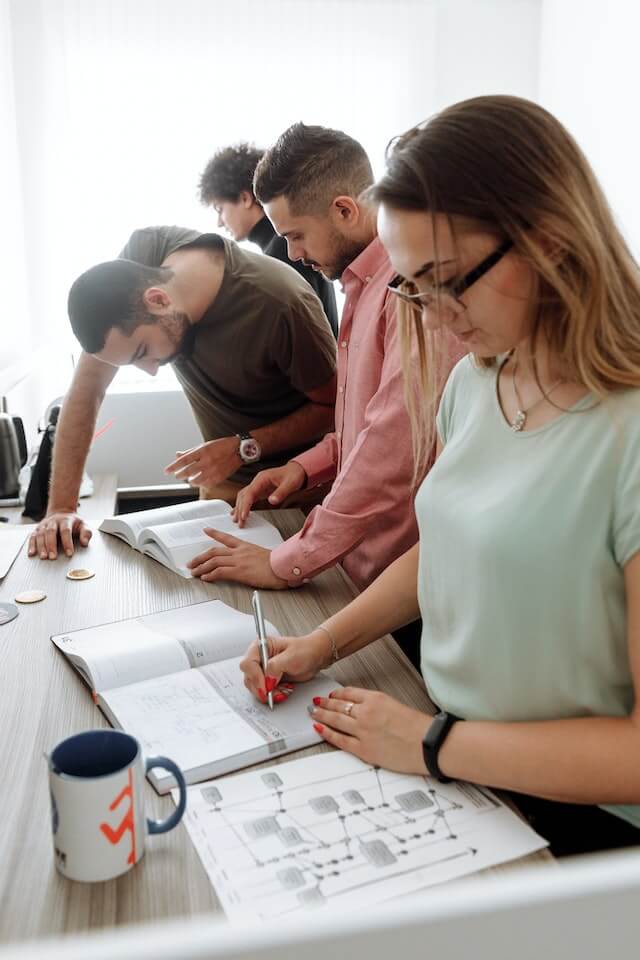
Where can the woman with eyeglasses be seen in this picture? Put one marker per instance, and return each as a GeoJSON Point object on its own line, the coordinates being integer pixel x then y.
{"type": "Point", "coordinates": [527, 573]}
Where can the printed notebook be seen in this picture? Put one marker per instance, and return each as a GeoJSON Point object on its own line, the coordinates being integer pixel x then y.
{"type": "Point", "coordinates": [174, 535]}
{"type": "Point", "coordinates": [173, 681]}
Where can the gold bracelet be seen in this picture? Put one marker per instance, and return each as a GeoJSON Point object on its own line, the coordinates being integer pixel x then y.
{"type": "Point", "coordinates": [335, 654]}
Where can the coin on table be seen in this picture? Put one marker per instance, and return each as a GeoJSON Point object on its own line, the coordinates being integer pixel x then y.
{"type": "Point", "coordinates": [30, 596]}
{"type": "Point", "coordinates": [8, 612]}
{"type": "Point", "coordinates": [80, 573]}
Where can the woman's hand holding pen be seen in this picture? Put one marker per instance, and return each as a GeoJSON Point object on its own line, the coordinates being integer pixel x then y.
{"type": "Point", "coordinates": [373, 726]}
{"type": "Point", "coordinates": [290, 659]}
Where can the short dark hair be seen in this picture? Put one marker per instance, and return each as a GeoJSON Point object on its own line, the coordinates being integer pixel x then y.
{"type": "Point", "coordinates": [228, 173]}
{"type": "Point", "coordinates": [110, 295]}
{"type": "Point", "coordinates": [310, 165]}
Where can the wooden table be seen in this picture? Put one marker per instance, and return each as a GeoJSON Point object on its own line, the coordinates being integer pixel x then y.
{"type": "Point", "coordinates": [43, 701]}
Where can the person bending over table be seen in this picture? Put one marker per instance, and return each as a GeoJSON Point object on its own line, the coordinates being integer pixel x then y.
{"type": "Point", "coordinates": [310, 183]}
{"type": "Point", "coordinates": [247, 339]}
{"type": "Point", "coordinates": [527, 571]}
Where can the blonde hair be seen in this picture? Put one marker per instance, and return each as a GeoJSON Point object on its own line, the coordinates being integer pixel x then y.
{"type": "Point", "coordinates": [511, 167]}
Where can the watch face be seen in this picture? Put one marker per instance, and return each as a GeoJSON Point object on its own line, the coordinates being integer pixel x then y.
{"type": "Point", "coordinates": [250, 450]}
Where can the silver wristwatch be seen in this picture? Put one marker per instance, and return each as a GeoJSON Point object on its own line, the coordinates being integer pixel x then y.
{"type": "Point", "coordinates": [249, 448]}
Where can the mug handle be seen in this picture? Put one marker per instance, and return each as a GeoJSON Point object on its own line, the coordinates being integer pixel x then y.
{"type": "Point", "coordinates": [161, 826]}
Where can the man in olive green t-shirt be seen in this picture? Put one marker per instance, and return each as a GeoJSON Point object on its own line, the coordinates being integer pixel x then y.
{"type": "Point", "coordinates": [248, 341]}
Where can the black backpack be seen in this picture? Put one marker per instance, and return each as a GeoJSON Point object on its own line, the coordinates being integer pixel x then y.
{"type": "Point", "coordinates": [35, 504]}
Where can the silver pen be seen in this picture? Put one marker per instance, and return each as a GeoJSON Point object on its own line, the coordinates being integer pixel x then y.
{"type": "Point", "coordinates": [262, 639]}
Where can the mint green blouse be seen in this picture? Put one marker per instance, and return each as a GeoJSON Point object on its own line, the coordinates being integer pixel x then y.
{"type": "Point", "coordinates": [523, 541]}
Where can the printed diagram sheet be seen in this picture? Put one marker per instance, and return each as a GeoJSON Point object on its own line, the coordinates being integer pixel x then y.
{"type": "Point", "coordinates": [330, 829]}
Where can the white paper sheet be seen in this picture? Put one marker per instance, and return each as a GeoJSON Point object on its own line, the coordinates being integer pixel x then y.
{"type": "Point", "coordinates": [329, 829]}
{"type": "Point", "coordinates": [12, 536]}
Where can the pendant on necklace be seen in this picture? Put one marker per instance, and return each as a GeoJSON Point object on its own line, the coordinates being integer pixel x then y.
{"type": "Point", "coordinates": [518, 421]}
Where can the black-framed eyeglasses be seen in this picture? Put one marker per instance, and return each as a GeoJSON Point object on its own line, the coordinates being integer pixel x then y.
{"type": "Point", "coordinates": [448, 291]}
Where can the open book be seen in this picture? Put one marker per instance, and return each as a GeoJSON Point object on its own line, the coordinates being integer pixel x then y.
{"type": "Point", "coordinates": [174, 535]}
{"type": "Point", "coordinates": [173, 681]}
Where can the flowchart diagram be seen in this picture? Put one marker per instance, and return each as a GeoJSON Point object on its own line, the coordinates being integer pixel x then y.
{"type": "Point", "coordinates": [330, 829]}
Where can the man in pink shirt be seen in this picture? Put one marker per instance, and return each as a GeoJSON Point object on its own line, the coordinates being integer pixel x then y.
{"type": "Point", "coordinates": [309, 183]}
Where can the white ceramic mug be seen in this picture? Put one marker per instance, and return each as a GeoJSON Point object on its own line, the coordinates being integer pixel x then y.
{"type": "Point", "coordinates": [96, 781]}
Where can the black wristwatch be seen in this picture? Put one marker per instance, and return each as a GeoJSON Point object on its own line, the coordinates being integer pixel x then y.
{"type": "Point", "coordinates": [433, 740]}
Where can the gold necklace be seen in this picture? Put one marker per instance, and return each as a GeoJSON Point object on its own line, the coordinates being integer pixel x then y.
{"type": "Point", "coordinates": [520, 419]}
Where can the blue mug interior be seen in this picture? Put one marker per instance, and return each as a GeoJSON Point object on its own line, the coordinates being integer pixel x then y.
{"type": "Point", "coordinates": [95, 753]}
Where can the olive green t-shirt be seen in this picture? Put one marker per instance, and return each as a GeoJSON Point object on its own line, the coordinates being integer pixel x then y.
{"type": "Point", "coordinates": [523, 542]}
{"type": "Point", "coordinates": [261, 345]}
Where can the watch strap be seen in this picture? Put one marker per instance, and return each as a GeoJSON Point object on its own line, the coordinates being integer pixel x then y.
{"type": "Point", "coordinates": [434, 738]}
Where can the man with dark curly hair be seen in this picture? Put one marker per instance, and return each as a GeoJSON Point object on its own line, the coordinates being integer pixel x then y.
{"type": "Point", "coordinates": [227, 185]}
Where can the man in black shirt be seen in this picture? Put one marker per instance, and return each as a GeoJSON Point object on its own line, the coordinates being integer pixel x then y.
{"type": "Point", "coordinates": [227, 186]}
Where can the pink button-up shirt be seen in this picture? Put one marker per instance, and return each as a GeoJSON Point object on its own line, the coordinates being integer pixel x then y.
{"type": "Point", "coordinates": [367, 520]}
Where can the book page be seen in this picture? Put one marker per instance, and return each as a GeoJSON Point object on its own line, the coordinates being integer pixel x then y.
{"type": "Point", "coordinates": [330, 829]}
{"type": "Point", "coordinates": [177, 512]}
{"type": "Point", "coordinates": [184, 541]}
{"type": "Point", "coordinates": [155, 550]}
{"type": "Point", "coordinates": [288, 721]}
{"type": "Point", "coordinates": [181, 716]}
{"type": "Point", "coordinates": [123, 653]}
{"type": "Point", "coordinates": [206, 716]}
{"type": "Point", "coordinates": [126, 652]}
{"type": "Point", "coordinates": [208, 631]}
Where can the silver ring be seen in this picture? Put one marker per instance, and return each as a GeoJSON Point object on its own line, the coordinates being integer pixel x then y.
{"type": "Point", "coordinates": [348, 708]}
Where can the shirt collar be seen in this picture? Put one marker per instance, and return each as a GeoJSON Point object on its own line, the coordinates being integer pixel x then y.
{"type": "Point", "coordinates": [373, 258]}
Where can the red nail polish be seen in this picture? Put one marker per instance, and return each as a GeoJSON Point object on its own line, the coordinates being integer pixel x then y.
{"type": "Point", "coordinates": [317, 701]}
{"type": "Point", "coordinates": [318, 728]}
{"type": "Point", "coordinates": [270, 683]}
{"type": "Point", "coordinates": [262, 695]}
{"type": "Point", "coordinates": [279, 697]}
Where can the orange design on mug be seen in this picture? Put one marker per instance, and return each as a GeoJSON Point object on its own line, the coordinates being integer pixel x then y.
{"type": "Point", "coordinates": [127, 823]}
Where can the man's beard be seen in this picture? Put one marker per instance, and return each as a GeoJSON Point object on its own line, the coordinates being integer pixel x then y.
{"type": "Point", "coordinates": [344, 253]}
{"type": "Point", "coordinates": [180, 333]}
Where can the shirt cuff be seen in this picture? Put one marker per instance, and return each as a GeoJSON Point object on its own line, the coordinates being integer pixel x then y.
{"type": "Point", "coordinates": [287, 564]}
{"type": "Point", "coordinates": [318, 467]}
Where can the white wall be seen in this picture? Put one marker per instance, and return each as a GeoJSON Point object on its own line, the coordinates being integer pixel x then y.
{"type": "Point", "coordinates": [147, 430]}
{"type": "Point", "coordinates": [14, 308]}
{"type": "Point", "coordinates": [589, 80]}
{"type": "Point", "coordinates": [486, 46]}
{"type": "Point", "coordinates": [14, 313]}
